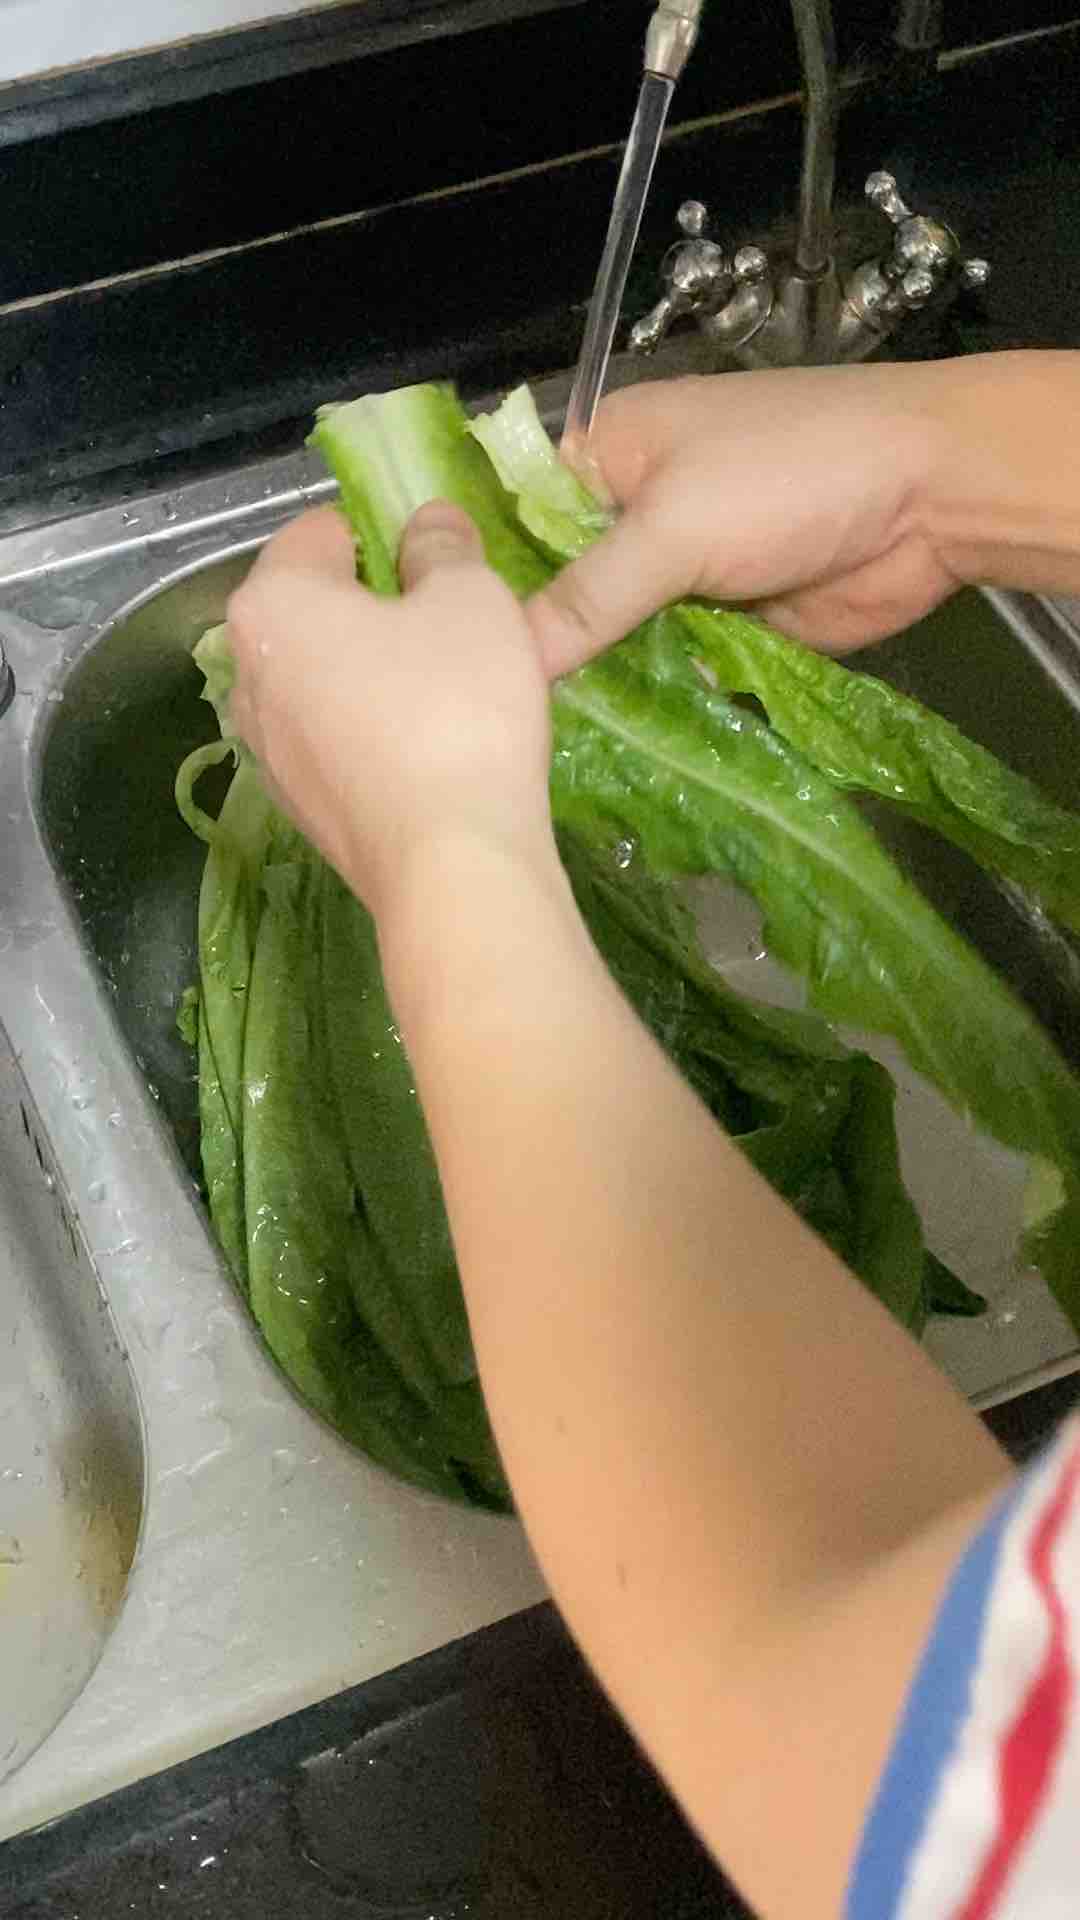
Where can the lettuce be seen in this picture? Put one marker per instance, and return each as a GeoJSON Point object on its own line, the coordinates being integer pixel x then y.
{"type": "Point", "coordinates": [321, 1180]}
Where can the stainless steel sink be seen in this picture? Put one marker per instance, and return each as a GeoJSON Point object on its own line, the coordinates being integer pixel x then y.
{"type": "Point", "coordinates": [275, 1565]}
{"type": "Point", "coordinates": [71, 1444]}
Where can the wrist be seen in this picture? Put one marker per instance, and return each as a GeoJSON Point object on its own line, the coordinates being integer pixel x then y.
{"type": "Point", "coordinates": [455, 897]}
{"type": "Point", "coordinates": [1000, 502]}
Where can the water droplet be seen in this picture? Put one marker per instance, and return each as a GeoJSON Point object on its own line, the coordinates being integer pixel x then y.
{"type": "Point", "coordinates": [623, 854]}
{"type": "Point", "coordinates": [124, 1247]}
{"type": "Point", "coordinates": [129, 519]}
{"type": "Point", "coordinates": [54, 696]}
{"type": "Point", "coordinates": [80, 1101]}
{"type": "Point", "coordinates": [96, 1191]}
{"type": "Point", "coordinates": [116, 1119]}
{"type": "Point", "coordinates": [283, 1465]}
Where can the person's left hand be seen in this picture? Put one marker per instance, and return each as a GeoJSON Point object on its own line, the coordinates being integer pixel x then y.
{"type": "Point", "coordinates": [387, 725]}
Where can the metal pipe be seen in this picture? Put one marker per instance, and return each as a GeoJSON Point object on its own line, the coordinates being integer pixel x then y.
{"type": "Point", "coordinates": [817, 55]}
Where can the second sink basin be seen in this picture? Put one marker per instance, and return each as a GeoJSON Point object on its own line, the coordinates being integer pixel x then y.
{"type": "Point", "coordinates": [71, 1445]}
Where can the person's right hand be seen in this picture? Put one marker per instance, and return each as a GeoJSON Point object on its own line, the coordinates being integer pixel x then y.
{"type": "Point", "coordinates": [802, 493]}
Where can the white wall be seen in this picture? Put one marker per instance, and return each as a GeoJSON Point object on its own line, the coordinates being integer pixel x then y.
{"type": "Point", "coordinates": [36, 35]}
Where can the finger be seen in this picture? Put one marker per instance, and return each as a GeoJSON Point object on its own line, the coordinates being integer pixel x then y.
{"type": "Point", "coordinates": [316, 549]}
{"type": "Point", "coordinates": [882, 597]}
{"type": "Point", "coordinates": [611, 589]}
{"type": "Point", "coordinates": [438, 535]}
{"type": "Point", "coordinates": [637, 431]}
{"type": "Point", "coordinates": [318, 542]}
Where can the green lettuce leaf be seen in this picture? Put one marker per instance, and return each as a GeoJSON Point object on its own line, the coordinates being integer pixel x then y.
{"type": "Point", "coordinates": [646, 746]}
{"type": "Point", "coordinates": [321, 1178]}
{"type": "Point", "coordinates": [862, 734]}
{"type": "Point", "coordinates": [856, 729]}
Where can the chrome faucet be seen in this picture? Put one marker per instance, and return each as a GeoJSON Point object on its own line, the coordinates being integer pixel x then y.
{"type": "Point", "coordinates": [799, 312]}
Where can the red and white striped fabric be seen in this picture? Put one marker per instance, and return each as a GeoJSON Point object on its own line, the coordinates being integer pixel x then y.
{"type": "Point", "coordinates": [978, 1813]}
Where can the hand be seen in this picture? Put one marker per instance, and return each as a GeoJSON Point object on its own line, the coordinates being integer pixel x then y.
{"type": "Point", "coordinates": [801, 492]}
{"type": "Point", "coordinates": [385, 725]}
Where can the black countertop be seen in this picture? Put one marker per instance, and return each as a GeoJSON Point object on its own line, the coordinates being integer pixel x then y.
{"type": "Point", "coordinates": [489, 1780]}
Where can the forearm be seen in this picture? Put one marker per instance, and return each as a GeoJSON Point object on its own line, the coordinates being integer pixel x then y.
{"type": "Point", "coordinates": [1002, 499]}
{"type": "Point", "coordinates": [704, 1417]}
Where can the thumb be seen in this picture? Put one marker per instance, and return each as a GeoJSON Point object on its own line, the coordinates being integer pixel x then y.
{"type": "Point", "coordinates": [438, 535]}
{"type": "Point", "coordinates": [318, 542]}
{"type": "Point", "coordinates": [615, 585]}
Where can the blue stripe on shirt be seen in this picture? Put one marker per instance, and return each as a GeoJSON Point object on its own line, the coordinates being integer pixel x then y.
{"type": "Point", "coordinates": [936, 1709]}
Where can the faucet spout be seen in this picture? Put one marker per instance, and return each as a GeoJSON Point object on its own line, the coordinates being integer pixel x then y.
{"type": "Point", "coordinates": [817, 54]}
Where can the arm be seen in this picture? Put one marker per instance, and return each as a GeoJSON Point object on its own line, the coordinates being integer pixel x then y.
{"type": "Point", "coordinates": [653, 1327]}
{"type": "Point", "coordinates": [742, 1479]}
{"type": "Point", "coordinates": [844, 502]}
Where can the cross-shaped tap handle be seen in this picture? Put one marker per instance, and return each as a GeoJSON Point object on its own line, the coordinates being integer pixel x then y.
{"type": "Point", "coordinates": [925, 252]}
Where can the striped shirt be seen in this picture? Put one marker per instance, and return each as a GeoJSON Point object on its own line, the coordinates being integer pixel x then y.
{"type": "Point", "coordinates": [977, 1816]}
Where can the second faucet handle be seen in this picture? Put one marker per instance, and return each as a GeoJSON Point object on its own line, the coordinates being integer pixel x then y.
{"type": "Point", "coordinates": [698, 277]}
{"type": "Point", "coordinates": [925, 252]}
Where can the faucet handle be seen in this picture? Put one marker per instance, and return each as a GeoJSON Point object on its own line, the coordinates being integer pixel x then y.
{"type": "Point", "coordinates": [924, 259]}
{"type": "Point", "coordinates": [696, 274]}
{"type": "Point", "coordinates": [924, 250]}
{"type": "Point", "coordinates": [881, 190]}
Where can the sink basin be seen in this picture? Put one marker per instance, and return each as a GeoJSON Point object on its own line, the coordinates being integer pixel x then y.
{"type": "Point", "coordinates": [132, 710]}
{"type": "Point", "coordinates": [71, 1450]}
{"type": "Point", "coordinates": [257, 1520]}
